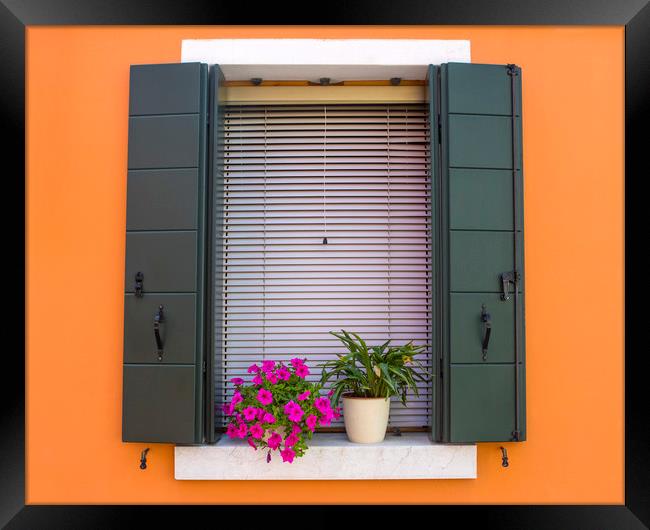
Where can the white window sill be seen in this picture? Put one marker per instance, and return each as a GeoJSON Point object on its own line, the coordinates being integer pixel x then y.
{"type": "Point", "coordinates": [329, 457]}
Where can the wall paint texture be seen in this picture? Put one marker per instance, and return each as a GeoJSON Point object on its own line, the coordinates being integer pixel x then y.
{"type": "Point", "coordinates": [77, 107]}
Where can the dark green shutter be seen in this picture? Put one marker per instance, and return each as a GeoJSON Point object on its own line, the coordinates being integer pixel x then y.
{"type": "Point", "coordinates": [477, 230]}
{"type": "Point", "coordinates": [165, 245]}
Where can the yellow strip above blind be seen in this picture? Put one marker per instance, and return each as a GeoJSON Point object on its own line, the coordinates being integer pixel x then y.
{"type": "Point", "coordinates": [279, 95]}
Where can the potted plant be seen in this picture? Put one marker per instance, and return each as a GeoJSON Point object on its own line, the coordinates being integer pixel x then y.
{"type": "Point", "coordinates": [278, 410]}
{"type": "Point", "coordinates": [366, 378]}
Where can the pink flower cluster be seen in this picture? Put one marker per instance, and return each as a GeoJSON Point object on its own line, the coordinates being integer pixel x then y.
{"type": "Point", "coordinates": [279, 409]}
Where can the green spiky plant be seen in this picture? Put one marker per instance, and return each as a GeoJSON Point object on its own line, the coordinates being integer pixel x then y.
{"type": "Point", "coordinates": [374, 371]}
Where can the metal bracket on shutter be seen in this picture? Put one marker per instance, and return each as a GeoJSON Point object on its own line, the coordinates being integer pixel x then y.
{"type": "Point", "coordinates": [506, 279]}
{"type": "Point", "coordinates": [139, 278]}
{"type": "Point", "coordinates": [158, 319]}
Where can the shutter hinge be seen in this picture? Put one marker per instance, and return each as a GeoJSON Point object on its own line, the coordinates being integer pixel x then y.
{"type": "Point", "coordinates": [516, 436]}
{"type": "Point", "coordinates": [511, 69]}
{"type": "Point", "coordinates": [439, 130]}
{"type": "Point", "coordinates": [205, 366]}
{"type": "Point", "coordinates": [440, 363]}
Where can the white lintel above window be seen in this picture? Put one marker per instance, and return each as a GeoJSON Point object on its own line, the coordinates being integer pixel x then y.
{"type": "Point", "coordinates": [311, 59]}
{"type": "Point", "coordinates": [330, 457]}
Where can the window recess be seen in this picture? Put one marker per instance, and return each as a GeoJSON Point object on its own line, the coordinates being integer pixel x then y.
{"type": "Point", "coordinates": [326, 220]}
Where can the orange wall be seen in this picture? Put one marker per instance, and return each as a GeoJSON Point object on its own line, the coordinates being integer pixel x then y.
{"type": "Point", "coordinates": [77, 106]}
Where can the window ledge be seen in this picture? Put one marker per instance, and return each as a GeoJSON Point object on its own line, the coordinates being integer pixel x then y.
{"type": "Point", "coordinates": [329, 457]}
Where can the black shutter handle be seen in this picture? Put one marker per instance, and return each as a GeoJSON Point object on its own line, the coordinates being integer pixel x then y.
{"type": "Point", "coordinates": [487, 330]}
{"type": "Point", "coordinates": [158, 319]}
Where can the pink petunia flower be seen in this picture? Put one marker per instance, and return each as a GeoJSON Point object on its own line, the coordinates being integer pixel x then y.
{"type": "Point", "coordinates": [250, 413]}
{"type": "Point", "coordinates": [330, 393]}
{"type": "Point", "coordinates": [283, 373]}
{"type": "Point", "coordinates": [236, 398]}
{"type": "Point", "coordinates": [268, 366]}
{"type": "Point", "coordinates": [304, 395]}
{"type": "Point", "coordinates": [257, 380]}
{"type": "Point", "coordinates": [302, 371]}
{"type": "Point", "coordinates": [227, 409]}
{"type": "Point", "coordinates": [265, 397]}
{"type": "Point", "coordinates": [327, 417]}
{"type": "Point", "coordinates": [287, 455]}
{"type": "Point", "coordinates": [269, 418]}
{"type": "Point", "coordinates": [251, 443]}
{"type": "Point", "coordinates": [271, 377]}
{"type": "Point", "coordinates": [290, 440]}
{"type": "Point", "coordinates": [322, 404]}
{"type": "Point", "coordinates": [296, 429]}
{"type": "Point", "coordinates": [256, 430]}
{"type": "Point", "coordinates": [242, 430]}
{"type": "Point", "coordinates": [260, 414]}
{"type": "Point", "coordinates": [337, 412]}
{"type": "Point", "coordinates": [293, 411]}
{"type": "Point", "coordinates": [237, 381]}
{"type": "Point", "coordinates": [253, 368]}
{"type": "Point", "coordinates": [274, 441]}
{"type": "Point", "coordinates": [296, 362]}
{"type": "Point", "coordinates": [231, 430]}
{"type": "Point", "coordinates": [311, 422]}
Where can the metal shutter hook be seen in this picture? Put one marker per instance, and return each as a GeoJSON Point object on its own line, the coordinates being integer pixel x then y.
{"type": "Point", "coordinates": [504, 457]}
{"type": "Point", "coordinates": [143, 459]}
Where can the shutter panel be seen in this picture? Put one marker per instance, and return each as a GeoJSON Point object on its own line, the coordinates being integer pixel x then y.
{"type": "Point", "coordinates": [480, 238]}
{"type": "Point", "coordinates": [165, 240]}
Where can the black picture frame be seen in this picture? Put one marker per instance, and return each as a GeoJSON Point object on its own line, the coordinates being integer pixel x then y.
{"type": "Point", "coordinates": [15, 15]}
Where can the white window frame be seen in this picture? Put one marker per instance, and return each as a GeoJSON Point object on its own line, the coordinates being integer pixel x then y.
{"type": "Point", "coordinates": [338, 59]}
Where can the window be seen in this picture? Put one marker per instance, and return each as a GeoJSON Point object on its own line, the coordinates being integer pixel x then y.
{"type": "Point", "coordinates": [218, 255]}
{"type": "Point", "coordinates": [326, 213]}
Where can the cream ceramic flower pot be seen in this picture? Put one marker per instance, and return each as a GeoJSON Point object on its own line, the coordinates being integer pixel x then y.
{"type": "Point", "coordinates": [365, 419]}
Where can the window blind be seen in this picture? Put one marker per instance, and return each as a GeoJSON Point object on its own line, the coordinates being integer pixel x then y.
{"type": "Point", "coordinates": [326, 220]}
